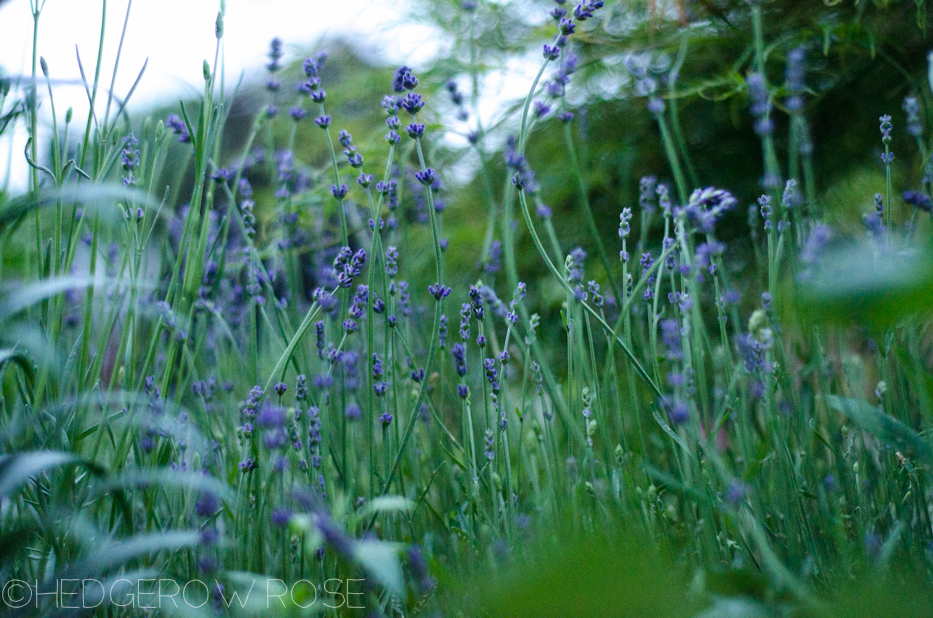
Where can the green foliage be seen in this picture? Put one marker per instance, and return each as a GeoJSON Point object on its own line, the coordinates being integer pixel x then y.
{"type": "Point", "coordinates": [187, 390]}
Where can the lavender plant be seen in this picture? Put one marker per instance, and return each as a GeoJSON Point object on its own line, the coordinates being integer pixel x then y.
{"type": "Point", "coordinates": [284, 371]}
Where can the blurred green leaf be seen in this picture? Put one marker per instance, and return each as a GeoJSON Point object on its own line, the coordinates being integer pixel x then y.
{"type": "Point", "coordinates": [384, 504]}
{"type": "Point", "coordinates": [867, 285]}
{"type": "Point", "coordinates": [587, 576]}
{"type": "Point", "coordinates": [16, 470]}
{"type": "Point", "coordinates": [381, 559]}
{"type": "Point", "coordinates": [882, 426]}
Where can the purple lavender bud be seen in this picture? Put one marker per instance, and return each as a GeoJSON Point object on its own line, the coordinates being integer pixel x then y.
{"type": "Point", "coordinates": [275, 54]}
{"type": "Point", "coordinates": [281, 517]}
{"type": "Point", "coordinates": [130, 154]}
{"type": "Point", "coordinates": [551, 52]}
{"type": "Point", "coordinates": [390, 105]}
{"type": "Point", "coordinates": [412, 103]}
{"type": "Point", "coordinates": [339, 192]}
{"type": "Point", "coordinates": [885, 129]}
{"type": "Point", "coordinates": [353, 412]}
{"type": "Point", "coordinates": [761, 104]}
{"type": "Point", "coordinates": [419, 568]}
{"type": "Point", "coordinates": [737, 492]}
{"type": "Point", "coordinates": [795, 74]}
{"type": "Point", "coordinates": [912, 109]}
{"type": "Point", "coordinates": [409, 81]}
{"type": "Point", "coordinates": [394, 138]}
{"type": "Point", "coordinates": [322, 121]}
{"type": "Point", "coordinates": [439, 291]}
{"type": "Point", "coordinates": [414, 130]}
{"type": "Point", "coordinates": [918, 200]}
{"type": "Point", "coordinates": [679, 413]}
{"type": "Point", "coordinates": [397, 85]}
{"type": "Point", "coordinates": [655, 105]}
{"type": "Point", "coordinates": [386, 418]}
{"type": "Point", "coordinates": [463, 390]}
{"type": "Point", "coordinates": [425, 176]}
{"type": "Point", "coordinates": [297, 113]}
{"type": "Point", "coordinates": [207, 504]}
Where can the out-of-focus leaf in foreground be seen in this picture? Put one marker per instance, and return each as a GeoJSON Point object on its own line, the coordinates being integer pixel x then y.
{"type": "Point", "coordinates": [587, 576]}
{"type": "Point", "coordinates": [887, 428]}
{"type": "Point", "coordinates": [865, 284]}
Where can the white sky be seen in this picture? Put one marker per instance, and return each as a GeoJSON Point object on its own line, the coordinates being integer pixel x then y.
{"type": "Point", "coordinates": [176, 35]}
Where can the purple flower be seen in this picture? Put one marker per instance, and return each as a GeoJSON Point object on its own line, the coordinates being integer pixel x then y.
{"type": "Point", "coordinates": [919, 200]}
{"type": "Point", "coordinates": [404, 80]}
{"type": "Point", "coordinates": [412, 103]}
{"type": "Point", "coordinates": [130, 153]}
{"type": "Point", "coordinates": [737, 492]}
{"type": "Point", "coordinates": [390, 105]}
{"type": "Point", "coordinates": [281, 517]}
{"type": "Point", "coordinates": [885, 129]}
{"type": "Point", "coordinates": [409, 81]}
{"type": "Point", "coordinates": [761, 103]}
{"type": "Point", "coordinates": [415, 130]}
{"type": "Point", "coordinates": [425, 176]}
{"type": "Point", "coordinates": [678, 412]}
{"type": "Point", "coordinates": [419, 568]}
{"type": "Point", "coordinates": [912, 109]}
{"type": "Point", "coordinates": [275, 54]}
{"type": "Point", "coordinates": [271, 416]}
{"type": "Point", "coordinates": [795, 74]}
{"type": "Point", "coordinates": [439, 291]}
{"type": "Point", "coordinates": [207, 504]}
{"type": "Point", "coordinates": [459, 353]}
{"type": "Point", "coordinates": [339, 192]}
{"type": "Point", "coordinates": [322, 121]}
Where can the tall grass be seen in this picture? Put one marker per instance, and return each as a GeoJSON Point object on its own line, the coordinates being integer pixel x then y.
{"type": "Point", "coordinates": [258, 369]}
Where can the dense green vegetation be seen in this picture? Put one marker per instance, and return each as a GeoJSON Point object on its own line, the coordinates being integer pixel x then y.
{"type": "Point", "coordinates": [653, 340]}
